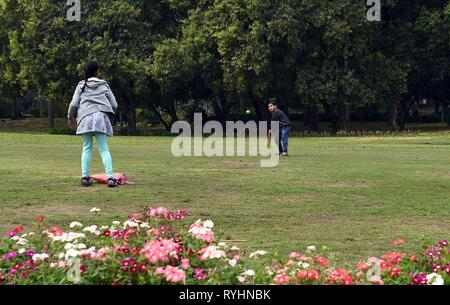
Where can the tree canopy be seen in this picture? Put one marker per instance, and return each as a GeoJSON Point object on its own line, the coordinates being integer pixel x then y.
{"type": "Point", "coordinates": [168, 56]}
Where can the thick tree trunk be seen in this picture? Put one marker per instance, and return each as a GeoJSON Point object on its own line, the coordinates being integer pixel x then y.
{"type": "Point", "coordinates": [16, 109]}
{"type": "Point", "coordinates": [130, 109]}
{"type": "Point", "coordinates": [362, 115]}
{"type": "Point", "coordinates": [218, 112]}
{"type": "Point", "coordinates": [445, 113]}
{"type": "Point", "coordinates": [343, 113]}
{"type": "Point", "coordinates": [50, 115]}
{"type": "Point", "coordinates": [436, 107]}
{"type": "Point", "coordinates": [311, 118]}
{"type": "Point", "coordinates": [331, 116]}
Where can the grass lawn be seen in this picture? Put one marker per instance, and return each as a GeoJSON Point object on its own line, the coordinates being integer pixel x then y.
{"type": "Point", "coordinates": [354, 195]}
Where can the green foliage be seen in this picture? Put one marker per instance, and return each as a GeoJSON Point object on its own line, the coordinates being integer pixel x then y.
{"type": "Point", "coordinates": [232, 54]}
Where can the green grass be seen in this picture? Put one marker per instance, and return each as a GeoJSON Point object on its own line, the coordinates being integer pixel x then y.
{"type": "Point", "coordinates": [353, 195]}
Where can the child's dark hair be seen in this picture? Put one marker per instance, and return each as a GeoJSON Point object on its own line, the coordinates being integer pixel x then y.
{"type": "Point", "coordinates": [272, 101]}
{"type": "Point", "coordinates": [90, 70]}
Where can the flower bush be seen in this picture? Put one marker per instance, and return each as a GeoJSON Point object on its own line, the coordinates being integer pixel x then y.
{"type": "Point", "coordinates": [157, 247]}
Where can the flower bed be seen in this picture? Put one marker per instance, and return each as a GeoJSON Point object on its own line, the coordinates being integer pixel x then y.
{"type": "Point", "coordinates": [156, 247]}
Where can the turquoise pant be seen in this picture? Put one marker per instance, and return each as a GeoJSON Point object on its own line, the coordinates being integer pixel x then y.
{"type": "Point", "coordinates": [102, 142]}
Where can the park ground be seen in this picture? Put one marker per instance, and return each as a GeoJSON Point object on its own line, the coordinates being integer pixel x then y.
{"type": "Point", "coordinates": [354, 195]}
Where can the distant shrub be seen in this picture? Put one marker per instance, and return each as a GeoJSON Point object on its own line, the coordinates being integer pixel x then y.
{"type": "Point", "coordinates": [63, 131]}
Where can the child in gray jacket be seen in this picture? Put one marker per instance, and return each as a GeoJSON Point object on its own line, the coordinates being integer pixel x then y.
{"type": "Point", "coordinates": [91, 104]}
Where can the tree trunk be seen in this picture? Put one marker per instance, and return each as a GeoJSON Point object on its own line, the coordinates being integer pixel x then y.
{"type": "Point", "coordinates": [130, 109]}
{"type": "Point", "coordinates": [41, 109]}
{"type": "Point", "coordinates": [50, 117]}
{"type": "Point", "coordinates": [311, 118]}
{"type": "Point", "coordinates": [445, 113]}
{"type": "Point", "coordinates": [331, 116]}
{"type": "Point", "coordinates": [343, 113]}
{"type": "Point", "coordinates": [436, 107]}
{"type": "Point", "coordinates": [160, 118]}
{"type": "Point", "coordinates": [216, 102]}
{"type": "Point", "coordinates": [362, 115]}
{"type": "Point", "coordinates": [173, 111]}
{"type": "Point", "coordinates": [16, 109]}
{"type": "Point", "coordinates": [392, 116]}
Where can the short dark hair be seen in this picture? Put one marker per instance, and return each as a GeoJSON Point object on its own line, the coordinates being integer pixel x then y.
{"type": "Point", "coordinates": [272, 102]}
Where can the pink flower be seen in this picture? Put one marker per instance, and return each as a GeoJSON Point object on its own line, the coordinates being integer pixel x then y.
{"type": "Point", "coordinates": [161, 210]}
{"type": "Point", "coordinates": [11, 255]}
{"type": "Point", "coordinates": [174, 274]}
{"type": "Point", "coordinates": [294, 255]}
{"type": "Point", "coordinates": [280, 279]}
{"type": "Point", "coordinates": [185, 264]}
{"type": "Point", "coordinates": [160, 249]}
{"type": "Point", "coordinates": [376, 279]}
{"type": "Point", "coordinates": [399, 241]}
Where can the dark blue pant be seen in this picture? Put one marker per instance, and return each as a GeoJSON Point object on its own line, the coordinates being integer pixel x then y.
{"type": "Point", "coordinates": [284, 138]}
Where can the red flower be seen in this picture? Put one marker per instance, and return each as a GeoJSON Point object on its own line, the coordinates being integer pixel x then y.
{"type": "Point", "coordinates": [321, 260]}
{"type": "Point", "coordinates": [107, 233]}
{"type": "Point", "coordinates": [443, 243]}
{"type": "Point", "coordinates": [18, 229]}
{"type": "Point", "coordinates": [40, 218]}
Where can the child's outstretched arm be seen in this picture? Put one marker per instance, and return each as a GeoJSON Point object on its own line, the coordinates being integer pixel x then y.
{"type": "Point", "coordinates": [73, 107]}
{"type": "Point", "coordinates": [112, 99]}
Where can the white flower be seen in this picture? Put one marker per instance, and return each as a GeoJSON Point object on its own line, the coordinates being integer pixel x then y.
{"type": "Point", "coordinates": [22, 241]}
{"type": "Point", "coordinates": [31, 234]}
{"type": "Point", "coordinates": [145, 225]}
{"type": "Point", "coordinates": [435, 279]}
{"type": "Point", "coordinates": [234, 248]}
{"type": "Point", "coordinates": [75, 224]}
{"type": "Point", "coordinates": [56, 238]}
{"type": "Point", "coordinates": [305, 265]}
{"type": "Point", "coordinates": [311, 249]}
{"type": "Point", "coordinates": [213, 252]}
{"type": "Point", "coordinates": [90, 229]}
{"type": "Point", "coordinates": [241, 279]}
{"type": "Point", "coordinates": [222, 244]}
{"type": "Point", "coordinates": [53, 265]}
{"type": "Point", "coordinates": [72, 253]}
{"type": "Point", "coordinates": [250, 272]}
{"type": "Point", "coordinates": [116, 223]}
{"type": "Point", "coordinates": [259, 252]}
{"type": "Point", "coordinates": [130, 224]}
{"type": "Point", "coordinates": [40, 257]}
{"type": "Point", "coordinates": [22, 251]}
{"type": "Point", "coordinates": [103, 228]}
{"type": "Point", "coordinates": [15, 238]}
{"type": "Point", "coordinates": [208, 224]}
{"type": "Point", "coordinates": [95, 210]}
{"type": "Point", "coordinates": [61, 255]}
{"type": "Point", "coordinates": [68, 246]}
{"type": "Point", "coordinates": [81, 246]}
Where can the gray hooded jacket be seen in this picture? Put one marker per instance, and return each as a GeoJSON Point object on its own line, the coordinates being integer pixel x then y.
{"type": "Point", "coordinates": [97, 96]}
